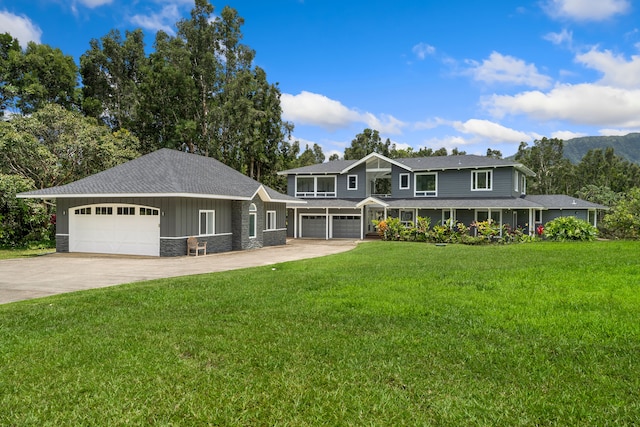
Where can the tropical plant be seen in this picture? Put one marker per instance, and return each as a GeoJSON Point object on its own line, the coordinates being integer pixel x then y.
{"type": "Point", "coordinates": [569, 228]}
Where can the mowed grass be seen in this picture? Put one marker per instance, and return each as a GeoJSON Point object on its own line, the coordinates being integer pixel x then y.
{"type": "Point", "coordinates": [387, 334]}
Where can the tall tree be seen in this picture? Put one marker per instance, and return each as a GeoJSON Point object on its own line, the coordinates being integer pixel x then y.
{"type": "Point", "coordinates": [55, 146]}
{"type": "Point", "coordinates": [36, 77]}
{"type": "Point", "coordinates": [545, 158]}
{"type": "Point", "coordinates": [365, 143]}
{"type": "Point", "coordinates": [112, 72]}
{"type": "Point", "coordinates": [10, 52]}
{"type": "Point", "coordinates": [310, 156]}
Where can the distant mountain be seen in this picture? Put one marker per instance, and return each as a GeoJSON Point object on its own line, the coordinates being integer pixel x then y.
{"type": "Point", "coordinates": [627, 147]}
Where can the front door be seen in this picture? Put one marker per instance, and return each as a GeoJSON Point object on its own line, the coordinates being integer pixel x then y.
{"type": "Point", "coordinates": [373, 213]}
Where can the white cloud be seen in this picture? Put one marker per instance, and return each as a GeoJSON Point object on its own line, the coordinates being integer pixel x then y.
{"type": "Point", "coordinates": [163, 20]}
{"type": "Point", "coordinates": [20, 27]}
{"type": "Point", "coordinates": [495, 132]}
{"type": "Point", "coordinates": [448, 142]}
{"type": "Point", "coordinates": [94, 3]}
{"type": "Point", "coordinates": [566, 135]}
{"type": "Point", "coordinates": [618, 72]}
{"type": "Point", "coordinates": [431, 123]}
{"type": "Point", "coordinates": [587, 104]}
{"type": "Point", "coordinates": [587, 10]}
{"type": "Point", "coordinates": [318, 110]}
{"type": "Point", "coordinates": [617, 132]}
{"type": "Point", "coordinates": [422, 50]}
{"type": "Point", "coordinates": [563, 37]}
{"type": "Point", "coordinates": [500, 68]}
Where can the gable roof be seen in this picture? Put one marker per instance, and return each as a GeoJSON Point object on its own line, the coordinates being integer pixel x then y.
{"type": "Point", "coordinates": [166, 173]}
{"type": "Point", "coordinates": [412, 164]}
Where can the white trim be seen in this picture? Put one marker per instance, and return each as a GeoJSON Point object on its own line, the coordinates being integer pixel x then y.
{"type": "Point", "coordinates": [408, 186]}
{"type": "Point", "coordinates": [314, 193]}
{"type": "Point", "coordinates": [379, 156]}
{"type": "Point", "coordinates": [474, 179]}
{"type": "Point", "coordinates": [415, 186]}
{"type": "Point", "coordinates": [186, 237]}
{"type": "Point", "coordinates": [62, 234]}
{"type": "Point", "coordinates": [371, 201]}
{"type": "Point", "coordinates": [274, 229]}
{"type": "Point", "coordinates": [266, 219]}
{"type": "Point", "coordinates": [349, 182]}
{"type": "Point", "coordinates": [206, 212]}
{"type": "Point", "coordinates": [147, 195]}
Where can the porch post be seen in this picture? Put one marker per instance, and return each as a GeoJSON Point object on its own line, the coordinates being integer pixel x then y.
{"type": "Point", "coordinates": [295, 223]}
{"type": "Point", "coordinates": [327, 224]}
{"type": "Point", "coordinates": [363, 220]}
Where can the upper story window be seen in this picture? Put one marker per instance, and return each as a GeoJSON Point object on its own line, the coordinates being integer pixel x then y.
{"type": "Point", "coordinates": [523, 184]}
{"type": "Point", "coordinates": [482, 180]}
{"type": "Point", "coordinates": [352, 182]}
{"type": "Point", "coordinates": [426, 184]}
{"type": "Point", "coordinates": [516, 181]}
{"type": "Point", "coordinates": [404, 181]}
{"type": "Point", "coordinates": [316, 186]}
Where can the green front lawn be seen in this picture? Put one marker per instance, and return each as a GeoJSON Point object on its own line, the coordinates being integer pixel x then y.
{"type": "Point", "coordinates": [390, 333]}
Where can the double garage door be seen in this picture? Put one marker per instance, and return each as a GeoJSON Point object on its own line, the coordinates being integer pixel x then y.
{"type": "Point", "coordinates": [115, 229]}
{"type": "Point", "coordinates": [341, 226]}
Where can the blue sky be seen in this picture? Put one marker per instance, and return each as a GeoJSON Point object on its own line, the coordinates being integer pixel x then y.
{"type": "Point", "coordinates": [466, 74]}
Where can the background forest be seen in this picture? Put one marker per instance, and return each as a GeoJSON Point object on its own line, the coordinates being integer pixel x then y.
{"type": "Point", "coordinates": [197, 91]}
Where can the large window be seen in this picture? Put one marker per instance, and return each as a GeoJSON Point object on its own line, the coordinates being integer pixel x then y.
{"type": "Point", "coordinates": [207, 223]}
{"type": "Point", "coordinates": [271, 220]}
{"type": "Point", "coordinates": [482, 180]}
{"type": "Point", "coordinates": [426, 184]}
{"type": "Point", "coordinates": [253, 216]}
{"type": "Point", "coordinates": [316, 186]}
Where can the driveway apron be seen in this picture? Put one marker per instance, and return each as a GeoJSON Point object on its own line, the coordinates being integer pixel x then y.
{"type": "Point", "coordinates": [56, 273]}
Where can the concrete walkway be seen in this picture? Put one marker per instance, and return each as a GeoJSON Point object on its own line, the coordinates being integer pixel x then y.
{"type": "Point", "coordinates": [27, 278]}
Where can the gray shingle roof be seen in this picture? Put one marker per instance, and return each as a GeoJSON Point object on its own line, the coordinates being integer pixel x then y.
{"type": "Point", "coordinates": [528, 202]}
{"type": "Point", "coordinates": [414, 164]}
{"type": "Point", "coordinates": [560, 201]}
{"type": "Point", "coordinates": [168, 173]}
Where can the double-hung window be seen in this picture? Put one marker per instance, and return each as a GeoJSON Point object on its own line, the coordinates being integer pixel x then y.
{"type": "Point", "coordinates": [482, 180]}
{"type": "Point", "coordinates": [426, 184]}
{"type": "Point", "coordinates": [207, 224]}
{"type": "Point", "coordinates": [271, 220]}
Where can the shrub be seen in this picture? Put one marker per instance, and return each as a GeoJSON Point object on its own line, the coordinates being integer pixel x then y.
{"type": "Point", "coordinates": [569, 228]}
{"type": "Point", "coordinates": [623, 220]}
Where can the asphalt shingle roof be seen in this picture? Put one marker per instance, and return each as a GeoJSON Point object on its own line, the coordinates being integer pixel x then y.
{"type": "Point", "coordinates": [165, 172]}
{"type": "Point", "coordinates": [414, 164]}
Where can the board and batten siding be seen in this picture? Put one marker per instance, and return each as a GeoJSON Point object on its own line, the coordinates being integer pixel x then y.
{"type": "Point", "coordinates": [179, 216]}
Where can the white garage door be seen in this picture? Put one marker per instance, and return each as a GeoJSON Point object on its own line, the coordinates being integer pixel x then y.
{"type": "Point", "coordinates": [115, 229]}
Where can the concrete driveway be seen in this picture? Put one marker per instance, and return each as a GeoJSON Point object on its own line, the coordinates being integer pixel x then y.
{"type": "Point", "coordinates": [27, 278]}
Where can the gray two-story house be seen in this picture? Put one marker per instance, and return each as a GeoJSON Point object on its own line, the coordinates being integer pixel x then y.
{"type": "Point", "coordinates": [345, 196]}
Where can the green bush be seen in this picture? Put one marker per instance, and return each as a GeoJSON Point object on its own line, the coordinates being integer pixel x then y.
{"type": "Point", "coordinates": [569, 228]}
{"type": "Point", "coordinates": [623, 220]}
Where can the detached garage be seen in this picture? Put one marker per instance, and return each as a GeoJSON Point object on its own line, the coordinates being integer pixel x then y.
{"type": "Point", "coordinates": [115, 229]}
{"type": "Point", "coordinates": [153, 204]}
